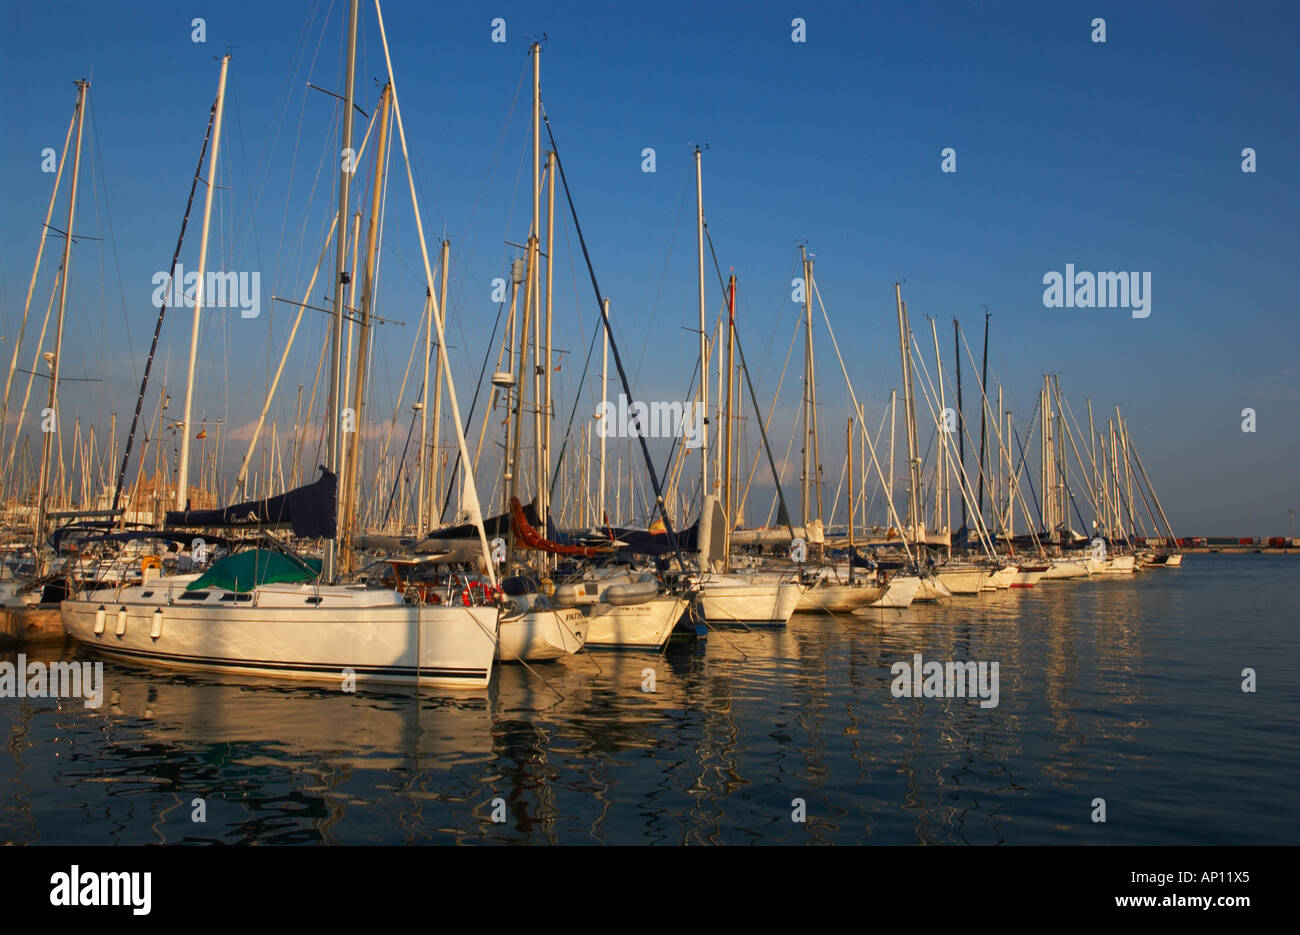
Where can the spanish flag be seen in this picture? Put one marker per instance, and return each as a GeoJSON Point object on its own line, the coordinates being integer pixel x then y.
{"type": "Point", "coordinates": [203, 433]}
{"type": "Point", "coordinates": [657, 527]}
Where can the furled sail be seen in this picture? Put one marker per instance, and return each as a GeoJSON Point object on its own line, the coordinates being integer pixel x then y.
{"type": "Point", "coordinates": [311, 511]}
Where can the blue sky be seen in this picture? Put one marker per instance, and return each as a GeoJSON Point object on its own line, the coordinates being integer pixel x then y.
{"type": "Point", "coordinates": [1117, 156]}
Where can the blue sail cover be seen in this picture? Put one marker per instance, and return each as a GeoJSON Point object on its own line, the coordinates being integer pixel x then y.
{"type": "Point", "coordinates": [311, 511]}
{"type": "Point", "coordinates": [498, 525]}
{"type": "Point", "coordinates": [631, 541]}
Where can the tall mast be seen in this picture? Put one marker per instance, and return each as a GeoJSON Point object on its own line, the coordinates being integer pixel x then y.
{"type": "Point", "coordinates": [183, 471]}
{"type": "Point", "coordinates": [535, 275]}
{"type": "Point", "coordinates": [893, 419]}
{"type": "Point", "coordinates": [56, 361]}
{"type": "Point", "coordinates": [1128, 467]}
{"type": "Point", "coordinates": [1118, 522]}
{"type": "Point", "coordinates": [816, 435]}
{"type": "Point", "coordinates": [913, 481]}
{"type": "Point", "coordinates": [941, 465]}
{"type": "Point", "coordinates": [984, 381]}
{"type": "Point", "coordinates": [961, 414]}
{"type": "Point", "coordinates": [1044, 520]}
{"type": "Point", "coordinates": [806, 475]}
{"type": "Point", "coordinates": [422, 484]}
{"type": "Point", "coordinates": [434, 446]}
{"type": "Point", "coordinates": [544, 505]}
{"type": "Point", "coordinates": [727, 421]}
{"type": "Point", "coordinates": [848, 447]}
{"type": "Point", "coordinates": [353, 467]}
{"type": "Point", "coordinates": [530, 297]}
{"type": "Point", "coordinates": [1011, 484]}
{"type": "Point", "coordinates": [1096, 480]}
{"type": "Point", "coordinates": [704, 343]}
{"type": "Point", "coordinates": [604, 409]}
{"type": "Point", "coordinates": [999, 484]}
{"type": "Point", "coordinates": [334, 408]}
{"type": "Point", "coordinates": [516, 426]}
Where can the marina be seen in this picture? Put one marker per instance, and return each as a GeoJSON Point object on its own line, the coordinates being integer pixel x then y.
{"type": "Point", "coordinates": [459, 479]}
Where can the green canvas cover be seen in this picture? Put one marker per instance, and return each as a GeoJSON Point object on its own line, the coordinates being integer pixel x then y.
{"type": "Point", "coordinates": [246, 570]}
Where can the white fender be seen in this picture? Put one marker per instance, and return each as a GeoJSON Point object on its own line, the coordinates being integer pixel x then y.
{"type": "Point", "coordinates": [155, 631]}
{"type": "Point", "coordinates": [100, 616]}
{"type": "Point", "coordinates": [121, 621]}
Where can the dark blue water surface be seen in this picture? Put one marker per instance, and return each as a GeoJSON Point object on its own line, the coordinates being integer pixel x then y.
{"type": "Point", "coordinates": [1127, 690]}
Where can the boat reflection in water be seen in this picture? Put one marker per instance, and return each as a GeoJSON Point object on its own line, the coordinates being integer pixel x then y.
{"type": "Point", "coordinates": [1107, 689]}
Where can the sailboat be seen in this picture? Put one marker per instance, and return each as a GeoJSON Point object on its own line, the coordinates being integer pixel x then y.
{"type": "Point", "coordinates": [284, 618]}
{"type": "Point", "coordinates": [599, 608]}
{"type": "Point", "coordinates": [829, 588]}
{"type": "Point", "coordinates": [722, 597]}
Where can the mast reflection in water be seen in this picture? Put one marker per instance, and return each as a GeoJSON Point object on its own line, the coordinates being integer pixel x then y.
{"type": "Point", "coordinates": [1128, 690]}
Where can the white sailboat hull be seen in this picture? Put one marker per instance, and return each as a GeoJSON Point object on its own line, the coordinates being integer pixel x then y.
{"type": "Point", "coordinates": [723, 599]}
{"type": "Point", "coordinates": [963, 581]}
{"type": "Point", "coordinates": [827, 597]}
{"type": "Point", "coordinates": [1060, 570]}
{"type": "Point", "coordinates": [542, 634]}
{"type": "Point", "coordinates": [900, 592]}
{"type": "Point", "coordinates": [1028, 576]}
{"type": "Point", "coordinates": [932, 589]}
{"type": "Point", "coordinates": [439, 646]}
{"type": "Point", "coordinates": [1119, 565]}
{"type": "Point", "coordinates": [634, 626]}
{"type": "Point", "coordinates": [1001, 579]}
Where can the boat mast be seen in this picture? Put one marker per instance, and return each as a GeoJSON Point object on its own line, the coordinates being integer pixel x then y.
{"type": "Point", "coordinates": [1042, 459]}
{"type": "Point", "coordinates": [57, 359]}
{"type": "Point", "coordinates": [544, 504]}
{"type": "Point", "coordinates": [941, 464]}
{"type": "Point", "coordinates": [1063, 461]}
{"type": "Point", "coordinates": [984, 381]}
{"type": "Point", "coordinates": [604, 431]}
{"type": "Point", "coordinates": [334, 407]}
{"type": "Point", "coordinates": [536, 288]}
{"type": "Point", "coordinates": [727, 421]}
{"type": "Point", "coordinates": [913, 481]}
{"type": "Point", "coordinates": [1096, 480]}
{"type": "Point", "coordinates": [704, 346]}
{"type": "Point", "coordinates": [848, 447]}
{"type": "Point", "coordinates": [893, 421]}
{"type": "Point", "coordinates": [183, 471]}
{"type": "Point", "coordinates": [434, 447]}
{"type": "Point", "coordinates": [806, 446]}
{"type": "Point", "coordinates": [999, 484]}
{"type": "Point", "coordinates": [353, 467]}
{"type": "Point", "coordinates": [530, 298]}
{"type": "Point", "coordinates": [961, 416]}
{"type": "Point", "coordinates": [423, 458]}
{"type": "Point", "coordinates": [1011, 485]}
{"type": "Point", "coordinates": [816, 434]}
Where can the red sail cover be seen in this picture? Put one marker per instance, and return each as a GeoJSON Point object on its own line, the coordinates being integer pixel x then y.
{"type": "Point", "coordinates": [530, 537]}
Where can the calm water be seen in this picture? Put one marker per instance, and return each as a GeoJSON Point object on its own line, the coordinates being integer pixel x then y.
{"type": "Point", "coordinates": [1128, 690]}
